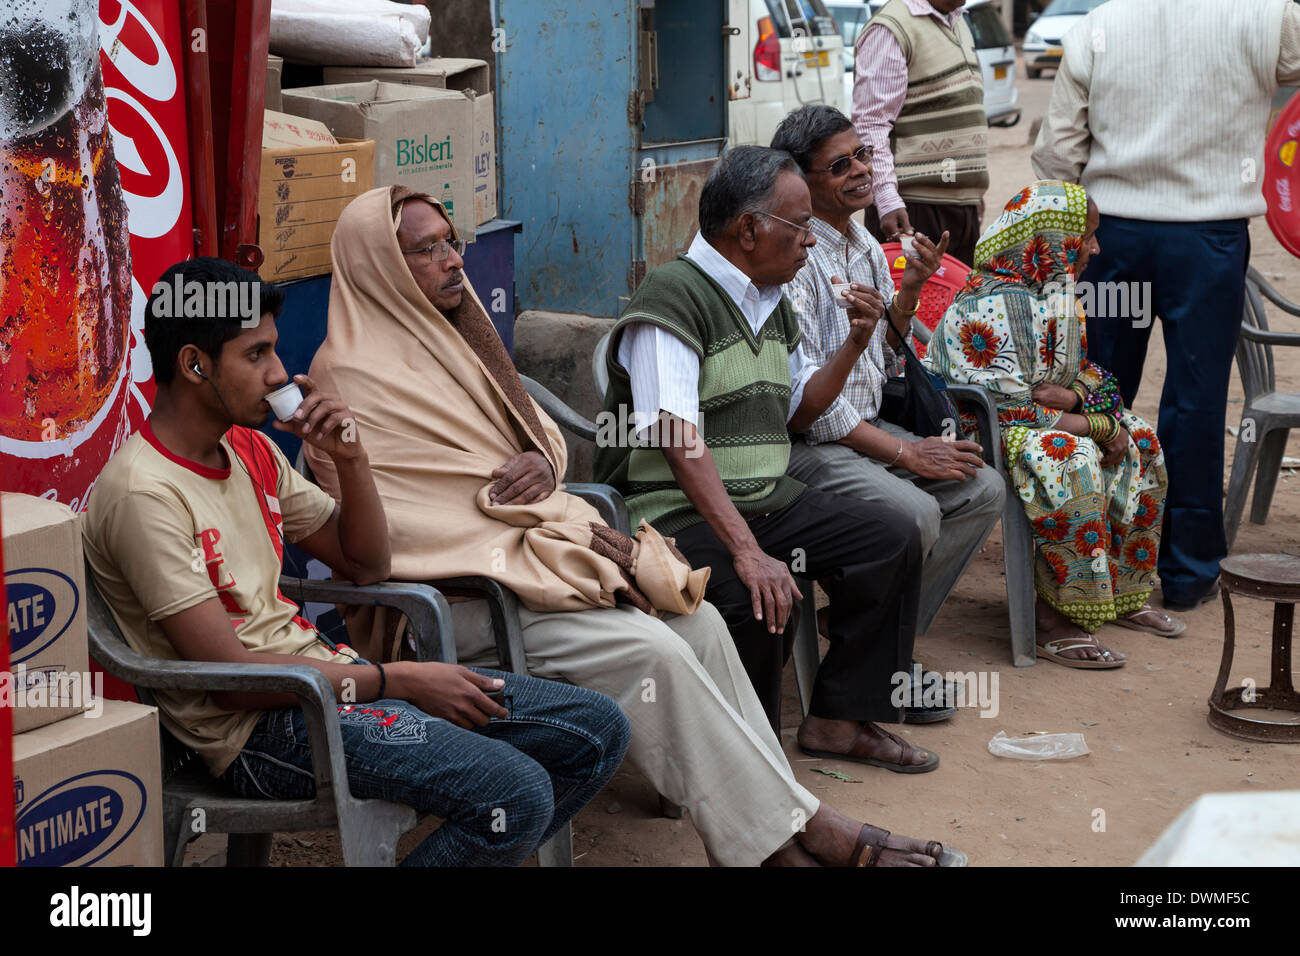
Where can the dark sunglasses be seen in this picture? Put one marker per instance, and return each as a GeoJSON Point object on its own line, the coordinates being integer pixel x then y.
{"type": "Point", "coordinates": [841, 166]}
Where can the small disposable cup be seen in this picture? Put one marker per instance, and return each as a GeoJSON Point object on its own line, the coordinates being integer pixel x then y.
{"type": "Point", "coordinates": [285, 401]}
{"type": "Point", "coordinates": [909, 249]}
{"type": "Point", "coordinates": [837, 293]}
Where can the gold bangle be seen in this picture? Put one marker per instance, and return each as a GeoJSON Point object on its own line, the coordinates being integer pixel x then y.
{"type": "Point", "coordinates": [902, 311]}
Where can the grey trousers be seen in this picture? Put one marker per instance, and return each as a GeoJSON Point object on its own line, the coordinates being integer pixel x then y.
{"type": "Point", "coordinates": [699, 732]}
{"type": "Point", "coordinates": [954, 517]}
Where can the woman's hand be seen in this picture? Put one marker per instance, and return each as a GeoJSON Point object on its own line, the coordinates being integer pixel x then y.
{"type": "Point", "coordinates": [1112, 452]}
{"type": "Point", "coordinates": [1055, 396]}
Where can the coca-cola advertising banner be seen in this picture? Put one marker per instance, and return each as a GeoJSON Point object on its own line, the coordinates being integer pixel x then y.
{"type": "Point", "coordinates": [94, 204]}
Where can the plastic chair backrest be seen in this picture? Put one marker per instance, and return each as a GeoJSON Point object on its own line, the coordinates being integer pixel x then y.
{"type": "Point", "coordinates": [1255, 359]}
{"type": "Point", "coordinates": [937, 293]}
{"type": "Point", "coordinates": [599, 370]}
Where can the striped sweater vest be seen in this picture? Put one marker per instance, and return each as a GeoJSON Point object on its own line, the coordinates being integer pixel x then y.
{"type": "Point", "coordinates": [940, 140]}
{"type": "Point", "coordinates": [744, 389]}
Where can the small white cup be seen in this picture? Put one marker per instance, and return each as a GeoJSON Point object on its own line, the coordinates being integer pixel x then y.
{"type": "Point", "coordinates": [285, 401]}
{"type": "Point", "coordinates": [837, 293]}
{"type": "Point", "coordinates": [909, 249]}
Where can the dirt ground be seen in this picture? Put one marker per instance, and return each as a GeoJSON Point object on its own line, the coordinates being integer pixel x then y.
{"type": "Point", "coordinates": [1152, 752]}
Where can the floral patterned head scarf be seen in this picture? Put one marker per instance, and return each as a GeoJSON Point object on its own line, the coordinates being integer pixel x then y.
{"type": "Point", "coordinates": [1034, 243]}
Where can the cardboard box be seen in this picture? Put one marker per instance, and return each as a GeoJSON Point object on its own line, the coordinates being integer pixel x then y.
{"type": "Point", "coordinates": [455, 74]}
{"type": "Point", "coordinates": [447, 73]}
{"type": "Point", "coordinates": [89, 792]}
{"type": "Point", "coordinates": [424, 137]}
{"type": "Point", "coordinates": [307, 180]}
{"type": "Point", "coordinates": [485, 160]}
{"type": "Point", "coordinates": [45, 603]}
{"type": "Point", "coordinates": [274, 72]}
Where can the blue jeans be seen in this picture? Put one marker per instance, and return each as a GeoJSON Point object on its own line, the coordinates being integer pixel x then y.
{"type": "Point", "coordinates": [1197, 272]}
{"type": "Point", "coordinates": [501, 789]}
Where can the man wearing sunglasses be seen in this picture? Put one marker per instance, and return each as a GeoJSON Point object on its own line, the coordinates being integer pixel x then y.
{"type": "Point", "coordinates": [849, 449]}
{"type": "Point", "coordinates": [710, 343]}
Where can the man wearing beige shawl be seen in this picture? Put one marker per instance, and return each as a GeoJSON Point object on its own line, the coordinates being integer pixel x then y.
{"type": "Point", "coordinates": [467, 466]}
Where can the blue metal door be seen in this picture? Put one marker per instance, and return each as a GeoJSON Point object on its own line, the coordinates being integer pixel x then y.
{"type": "Point", "coordinates": [566, 148]}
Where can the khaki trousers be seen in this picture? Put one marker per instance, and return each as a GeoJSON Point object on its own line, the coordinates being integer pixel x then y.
{"type": "Point", "coordinates": [699, 733]}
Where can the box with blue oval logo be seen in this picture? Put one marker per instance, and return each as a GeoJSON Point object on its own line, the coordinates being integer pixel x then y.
{"type": "Point", "coordinates": [48, 677]}
{"type": "Point", "coordinates": [89, 792]}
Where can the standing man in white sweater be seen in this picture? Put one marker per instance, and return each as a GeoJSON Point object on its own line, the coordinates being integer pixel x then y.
{"type": "Point", "coordinates": [1158, 111]}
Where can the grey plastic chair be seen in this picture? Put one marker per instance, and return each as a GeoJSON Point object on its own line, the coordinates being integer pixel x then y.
{"type": "Point", "coordinates": [504, 609]}
{"type": "Point", "coordinates": [368, 829]}
{"type": "Point", "coordinates": [1267, 416]}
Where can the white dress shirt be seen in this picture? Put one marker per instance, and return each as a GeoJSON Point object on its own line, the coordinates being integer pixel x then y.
{"type": "Point", "coordinates": [665, 372]}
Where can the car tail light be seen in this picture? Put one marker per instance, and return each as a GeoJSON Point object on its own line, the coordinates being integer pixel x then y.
{"type": "Point", "coordinates": [767, 52]}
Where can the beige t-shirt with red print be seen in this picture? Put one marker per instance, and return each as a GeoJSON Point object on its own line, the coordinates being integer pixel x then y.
{"type": "Point", "coordinates": [163, 534]}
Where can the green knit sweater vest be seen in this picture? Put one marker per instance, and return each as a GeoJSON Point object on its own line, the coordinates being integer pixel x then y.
{"type": "Point", "coordinates": [744, 389]}
{"type": "Point", "coordinates": [940, 140]}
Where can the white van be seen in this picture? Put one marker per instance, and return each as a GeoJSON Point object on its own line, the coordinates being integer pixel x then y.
{"type": "Point", "coordinates": [782, 54]}
{"type": "Point", "coordinates": [993, 47]}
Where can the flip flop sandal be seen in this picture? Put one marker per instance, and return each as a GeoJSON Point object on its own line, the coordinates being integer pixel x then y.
{"type": "Point", "coordinates": [877, 840]}
{"type": "Point", "coordinates": [1053, 650]}
{"type": "Point", "coordinates": [905, 747]}
{"type": "Point", "coordinates": [1154, 622]}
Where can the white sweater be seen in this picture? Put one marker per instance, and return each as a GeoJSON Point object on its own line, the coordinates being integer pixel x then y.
{"type": "Point", "coordinates": [1160, 106]}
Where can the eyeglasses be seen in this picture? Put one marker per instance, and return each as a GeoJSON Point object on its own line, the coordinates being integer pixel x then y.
{"type": "Point", "coordinates": [804, 231]}
{"type": "Point", "coordinates": [862, 154]}
{"type": "Point", "coordinates": [439, 250]}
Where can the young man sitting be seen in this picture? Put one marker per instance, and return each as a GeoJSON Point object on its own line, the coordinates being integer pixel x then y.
{"type": "Point", "coordinates": [185, 533]}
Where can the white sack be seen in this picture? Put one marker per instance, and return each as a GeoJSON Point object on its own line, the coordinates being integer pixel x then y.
{"type": "Point", "coordinates": [348, 32]}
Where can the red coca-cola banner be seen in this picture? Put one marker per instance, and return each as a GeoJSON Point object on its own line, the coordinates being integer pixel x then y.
{"type": "Point", "coordinates": [82, 171]}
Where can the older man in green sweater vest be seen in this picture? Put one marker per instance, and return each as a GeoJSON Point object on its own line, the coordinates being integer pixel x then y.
{"type": "Point", "coordinates": [706, 367]}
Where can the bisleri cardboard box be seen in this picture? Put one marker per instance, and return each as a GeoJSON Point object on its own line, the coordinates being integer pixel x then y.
{"type": "Point", "coordinates": [89, 792]}
{"type": "Point", "coordinates": [424, 137]}
{"type": "Point", "coordinates": [441, 72]}
{"type": "Point", "coordinates": [48, 677]}
{"type": "Point", "coordinates": [308, 178]}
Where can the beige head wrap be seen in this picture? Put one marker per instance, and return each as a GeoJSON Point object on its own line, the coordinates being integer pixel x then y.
{"type": "Point", "coordinates": [439, 406]}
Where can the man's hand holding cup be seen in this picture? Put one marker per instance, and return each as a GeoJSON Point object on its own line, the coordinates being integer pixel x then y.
{"type": "Point", "coordinates": [322, 420]}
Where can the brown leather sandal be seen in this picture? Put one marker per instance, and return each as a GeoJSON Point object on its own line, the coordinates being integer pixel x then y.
{"type": "Point", "coordinates": [906, 750]}
{"type": "Point", "coordinates": [878, 841]}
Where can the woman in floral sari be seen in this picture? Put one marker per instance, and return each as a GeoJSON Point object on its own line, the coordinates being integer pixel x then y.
{"type": "Point", "coordinates": [1090, 473]}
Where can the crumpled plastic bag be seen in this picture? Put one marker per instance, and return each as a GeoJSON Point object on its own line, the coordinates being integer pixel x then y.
{"type": "Point", "coordinates": [1039, 746]}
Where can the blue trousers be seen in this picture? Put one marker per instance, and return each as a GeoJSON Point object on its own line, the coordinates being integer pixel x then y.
{"type": "Point", "coordinates": [501, 789]}
{"type": "Point", "coordinates": [1197, 285]}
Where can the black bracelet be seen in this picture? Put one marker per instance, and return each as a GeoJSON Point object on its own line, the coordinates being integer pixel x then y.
{"type": "Point", "coordinates": [383, 682]}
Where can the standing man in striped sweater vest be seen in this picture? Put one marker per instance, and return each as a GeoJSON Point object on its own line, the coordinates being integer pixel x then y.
{"type": "Point", "coordinates": [706, 364]}
{"type": "Point", "coordinates": [1159, 111]}
{"type": "Point", "coordinates": [918, 102]}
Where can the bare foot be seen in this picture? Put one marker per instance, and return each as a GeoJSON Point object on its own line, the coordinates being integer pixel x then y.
{"type": "Point", "coordinates": [1052, 625]}
{"type": "Point", "coordinates": [830, 837]}
{"type": "Point", "coordinates": [859, 739]}
{"type": "Point", "coordinates": [791, 855]}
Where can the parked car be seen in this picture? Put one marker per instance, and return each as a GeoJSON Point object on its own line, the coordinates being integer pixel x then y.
{"type": "Point", "coordinates": [993, 47]}
{"type": "Point", "coordinates": [794, 55]}
{"type": "Point", "coordinates": [1042, 47]}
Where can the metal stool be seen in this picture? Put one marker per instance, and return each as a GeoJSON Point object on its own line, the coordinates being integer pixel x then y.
{"type": "Point", "coordinates": [1270, 577]}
